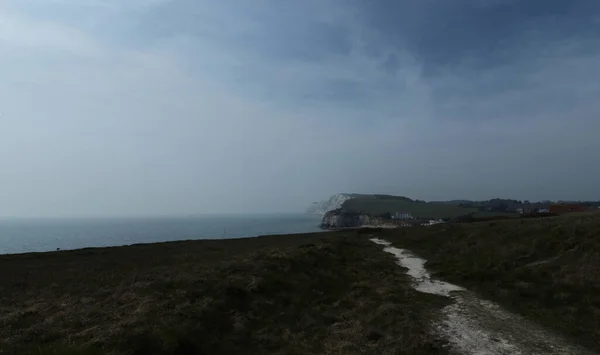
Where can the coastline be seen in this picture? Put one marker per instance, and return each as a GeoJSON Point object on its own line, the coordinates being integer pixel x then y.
{"type": "Point", "coordinates": [49, 234]}
{"type": "Point", "coordinates": [167, 243]}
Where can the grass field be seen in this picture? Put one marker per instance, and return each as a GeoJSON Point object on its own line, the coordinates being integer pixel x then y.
{"type": "Point", "coordinates": [325, 293]}
{"type": "Point", "coordinates": [378, 206]}
{"type": "Point", "coordinates": [334, 293]}
{"type": "Point", "coordinates": [495, 214]}
{"type": "Point", "coordinates": [547, 269]}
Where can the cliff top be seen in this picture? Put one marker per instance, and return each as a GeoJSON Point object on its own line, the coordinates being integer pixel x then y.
{"type": "Point", "coordinates": [381, 204]}
{"type": "Point", "coordinates": [323, 293]}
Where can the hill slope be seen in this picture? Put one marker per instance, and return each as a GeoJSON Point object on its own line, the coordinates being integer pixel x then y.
{"type": "Point", "coordinates": [380, 204]}
{"type": "Point", "coordinates": [332, 293]}
{"type": "Point", "coordinates": [547, 269]}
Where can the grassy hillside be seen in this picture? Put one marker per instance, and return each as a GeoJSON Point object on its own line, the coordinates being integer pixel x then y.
{"type": "Point", "coordinates": [547, 269]}
{"type": "Point", "coordinates": [334, 293]}
{"type": "Point", "coordinates": [379, 204]}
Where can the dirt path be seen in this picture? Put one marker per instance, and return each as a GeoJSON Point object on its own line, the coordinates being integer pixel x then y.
{"type": "Point", "coordinates": [479, 327]}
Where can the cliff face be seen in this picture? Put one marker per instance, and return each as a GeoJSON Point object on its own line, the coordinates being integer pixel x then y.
{"type": "Point", "coordinates": [334, 202]}
{"type": "Point", "coordinates": [336, 219]}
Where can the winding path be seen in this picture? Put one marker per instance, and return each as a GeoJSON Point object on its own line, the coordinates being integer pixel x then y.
{"type": "Point", "coordinates": [479, 327]}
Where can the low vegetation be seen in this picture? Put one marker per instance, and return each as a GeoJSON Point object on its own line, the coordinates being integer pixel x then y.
{"type": "Point", "coordinates": [381, 204]}
{"type": "Point", "coordinates": [547, 269]}
{"type": "Point", "coordinates": [324, 293]}
{"type": "Point", "coordinates": [334, 293]}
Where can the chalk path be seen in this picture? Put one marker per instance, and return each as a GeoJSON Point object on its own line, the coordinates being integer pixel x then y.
{"type": "Point", "coordinates": [479, 327]}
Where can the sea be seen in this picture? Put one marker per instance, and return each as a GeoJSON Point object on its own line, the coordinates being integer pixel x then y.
{"type": "Point", "coordinates": [23, 235]}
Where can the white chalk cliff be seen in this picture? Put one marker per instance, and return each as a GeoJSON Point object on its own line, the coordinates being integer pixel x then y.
{"type": "Point", "coordinates": [333, 203]}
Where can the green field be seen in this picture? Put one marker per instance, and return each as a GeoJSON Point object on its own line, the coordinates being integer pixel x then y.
{"type": "Point", "coordinates": [492, 214]}
{"type": "Point", "coordinates": [376, 206]}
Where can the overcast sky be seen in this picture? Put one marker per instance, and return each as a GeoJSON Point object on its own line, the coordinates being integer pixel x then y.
{"type": "Point", "coordinates": [112, 107]}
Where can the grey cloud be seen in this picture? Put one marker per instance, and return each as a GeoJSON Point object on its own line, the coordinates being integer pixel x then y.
{"type": "Point", "coordinates": [391, 63]}
{"type": "Point", "coordinates": [488, 34]}
{"type": "Point", "coordinates": [189, 107]}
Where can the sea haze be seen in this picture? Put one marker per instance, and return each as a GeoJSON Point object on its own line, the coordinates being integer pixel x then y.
{"type": "Point", "coordinates": [21, 235]}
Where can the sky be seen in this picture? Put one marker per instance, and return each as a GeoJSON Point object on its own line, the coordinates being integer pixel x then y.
{"type": "Point", "coordinates": [111, 107]}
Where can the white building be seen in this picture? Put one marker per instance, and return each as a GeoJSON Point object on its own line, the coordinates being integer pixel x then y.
{"type": "Point", "coordinates": [402, 215]}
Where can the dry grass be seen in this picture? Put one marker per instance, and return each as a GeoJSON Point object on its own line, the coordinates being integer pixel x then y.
{"type": "Point", "coordinates": [333, 293]}
{"type": "Point", "coordinates": [547, 269]}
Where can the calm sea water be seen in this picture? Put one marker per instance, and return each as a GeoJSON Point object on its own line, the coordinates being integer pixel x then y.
{"type": "Point", "coordinates": [33, 235]}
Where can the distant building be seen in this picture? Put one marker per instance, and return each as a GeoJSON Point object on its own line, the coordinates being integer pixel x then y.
{"type": "Point", "coordinates": [402, 215]}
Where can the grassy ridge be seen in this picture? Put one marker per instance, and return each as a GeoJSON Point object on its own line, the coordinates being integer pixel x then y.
{"type": "Point", "coordinates": [547, 269]}
{"type": "Point", "coordinates": [378, 206]}
{"type": "Point", "coordinates": [333, 293]}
